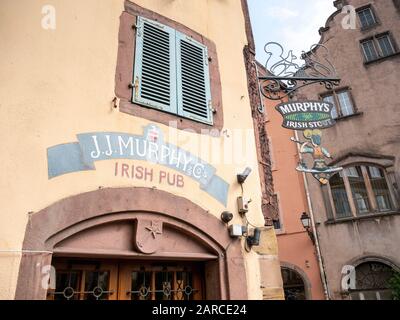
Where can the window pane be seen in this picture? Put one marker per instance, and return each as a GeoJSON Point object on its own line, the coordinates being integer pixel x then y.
{"type": "Point", "coordinates": [67, 285]}
{"type": "Point", "coordinates": [184, 285]}
{"type": "Point", "coordinates": [96, 285]}
{"type": "Point", "coordinates": [331, 99]}
{"type": "Point", "coordinates": [358, 189]}
{"type": "Point", "coordinates": [346, 105]}
{"type": "Point", "coordinates": [380, 188]}
{"type": "Point", "coordinates": [141, 285]}
{"type": "Point", "coordinates": [386, 46]}
{"type": "Point", "coordinates": [372, 282]}
{"type": "Point", "coordinates": [277, 224]}
{"type": "Point", "coordinates": [369, 50]}
{"type": "Point", "coordinates": [352, 172]}
{"type": "Point", "coordinates": [340, 197]}
{"type": "Point", "coordinates": [163, 284]}
{"type": "Point", "coordinates": [367, 18]}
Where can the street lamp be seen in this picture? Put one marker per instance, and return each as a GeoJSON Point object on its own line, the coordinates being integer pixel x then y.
{"type": "Point", "coordinates": [306, 222]}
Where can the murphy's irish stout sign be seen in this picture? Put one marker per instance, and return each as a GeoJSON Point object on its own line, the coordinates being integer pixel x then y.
{"type": "Point", "coordinates": [310, 117]}
{"type": "Point", "coordinates": [306, 115]}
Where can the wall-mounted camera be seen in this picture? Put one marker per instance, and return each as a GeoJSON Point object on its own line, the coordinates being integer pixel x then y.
{"type": "Point", "coordinates": [241, 178]}
{"type": "Point", "coordinates": [226, 216]}
{"type": "Point", "coordinates": [254, 240]}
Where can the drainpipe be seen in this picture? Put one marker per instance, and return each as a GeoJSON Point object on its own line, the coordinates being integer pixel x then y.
{"type": "Point", "coordinates": [314, 229]}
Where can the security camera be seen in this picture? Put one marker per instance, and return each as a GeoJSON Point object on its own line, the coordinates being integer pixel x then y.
{"type": "Point", "coordinates": [226, 216]}
{"type": "Point", "coordinates": [254, 240]}
{"type": "Point", "coordinates": [241, 178]}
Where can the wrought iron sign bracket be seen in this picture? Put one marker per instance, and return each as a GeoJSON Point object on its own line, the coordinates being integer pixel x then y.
{"type": "Point", "coordinates": [287, 76]}
{"type": "Point", "coordinates": [275, 88]}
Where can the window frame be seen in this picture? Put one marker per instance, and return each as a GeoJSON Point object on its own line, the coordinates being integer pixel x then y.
{"type": "Point", "coordinates": [374, 210]}
{"type": "Point", "coordinates": [176, 103]}
{"type": "Point", "coordinates": [125, 67]}
{"type": "Point", "coordinates": [338, 107]}
{"type": "Point", "coordinates": [389, 36]}
{"type": "Point", "coordinates": [369, 40]}
{"type": "Point", "coordinates": [377, 46]}
{"type": "Point", "coordinates": [373, 14]}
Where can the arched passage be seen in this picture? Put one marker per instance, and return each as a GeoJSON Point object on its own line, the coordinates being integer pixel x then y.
{"type": "Point", "coordinates": [131, 224]}
{"type": "Point", "coordinates": [296, 284]}
{"type": "Point", "coordinates": [372, 275]}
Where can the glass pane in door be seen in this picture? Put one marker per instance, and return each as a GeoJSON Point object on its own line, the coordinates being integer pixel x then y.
{"type": "Point", "coordinates": [96, 285]}
{"type": "Point", "coordinates": [163, 285]}
{"type": "Point", "coordinates": [141, 285]}
{"type": "Point", "coordinates": [184, 282]}
{"type": "Point", "coordinates": [67, 286]}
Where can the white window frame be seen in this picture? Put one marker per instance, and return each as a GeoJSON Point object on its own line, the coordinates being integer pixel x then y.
{"type": "Point", "coordinates": [369, 9]}
{"type": "Point", "coordinates": [389, 38]}
{"type": "Point", "coordinates": [371, 40]}
{"type": "Point", "coordinates": [377, 46]}
{"type": "Point", "coordinates": [334, 96]}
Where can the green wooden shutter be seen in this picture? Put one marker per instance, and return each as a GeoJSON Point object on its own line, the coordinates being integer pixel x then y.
{"type": "Point", "coordinates": [155, 69]}
{"type": "Point", "coordinates": [193, 80]}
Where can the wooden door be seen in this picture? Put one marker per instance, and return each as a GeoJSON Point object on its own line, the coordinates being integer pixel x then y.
{"type": "Point", "coordinates": [84, 280]}
{"type": "Point", "coordinates": [113, 280]}
{"type": "Point", "coordinates": [140, 281]}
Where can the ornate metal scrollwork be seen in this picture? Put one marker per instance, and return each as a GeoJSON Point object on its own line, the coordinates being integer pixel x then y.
{"type": "Point", "coordinates": [287, 76]}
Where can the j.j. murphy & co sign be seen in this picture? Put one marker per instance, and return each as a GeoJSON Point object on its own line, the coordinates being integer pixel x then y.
{"type": "Point", "coordinates": [97, 146]}
{"type": "Point", "coordinates": [306, 115]}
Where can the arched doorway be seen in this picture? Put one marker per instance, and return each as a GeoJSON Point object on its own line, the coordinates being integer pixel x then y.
{"type": "Point", "coordinates": [293, 285]}
{"type": "Point", "coordinates": [372, 281]}
{"type": "Point", "coordinates": [123, 244]}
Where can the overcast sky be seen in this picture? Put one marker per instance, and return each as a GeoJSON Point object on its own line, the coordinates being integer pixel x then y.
{"type": "Point", "coordinates": [293, 23]}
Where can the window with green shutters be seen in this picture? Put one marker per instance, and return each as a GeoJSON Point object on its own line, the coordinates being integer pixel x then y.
{"type": "Point", "coordinates": [171, 72]}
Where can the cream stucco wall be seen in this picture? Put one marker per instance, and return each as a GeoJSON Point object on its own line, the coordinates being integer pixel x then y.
{"type": "Point", "coordinates": [55, 84]}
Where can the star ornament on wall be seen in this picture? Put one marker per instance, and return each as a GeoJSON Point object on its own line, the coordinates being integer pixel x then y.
{"type": "Point", "coordinates": [154, 229]}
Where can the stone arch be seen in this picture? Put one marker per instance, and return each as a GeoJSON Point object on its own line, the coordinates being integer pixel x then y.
{"type": "Point", "coordinates": [356, 261]}
{"type": "Point", "coordinates": [303, 276]}
{"type": "Point", "coordinates": [69, 222]}
{"type": "Point", "coordinates": [367, 257]}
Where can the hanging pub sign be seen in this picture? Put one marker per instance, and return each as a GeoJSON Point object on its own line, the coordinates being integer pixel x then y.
{"type": "Point", "coordinates": [286, 76]}
{"type": "Point", "coordinates": [306, 115]}
{"type": "Point", "coordinates": [310, 117]}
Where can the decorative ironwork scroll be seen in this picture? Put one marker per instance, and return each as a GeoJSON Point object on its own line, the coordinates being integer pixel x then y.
{"type": "Point", "coordinates": [287, 75]}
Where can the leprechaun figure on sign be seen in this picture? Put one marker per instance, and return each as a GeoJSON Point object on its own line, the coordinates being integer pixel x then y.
{"type": "Point", "coordinates": [320, 170]}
